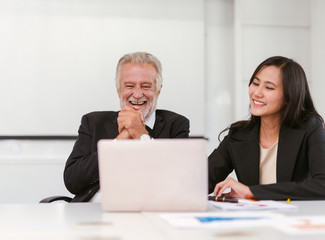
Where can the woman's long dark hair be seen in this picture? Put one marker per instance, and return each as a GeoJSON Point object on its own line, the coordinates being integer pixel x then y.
{"type": "Point", "coordinates": [299, 104]}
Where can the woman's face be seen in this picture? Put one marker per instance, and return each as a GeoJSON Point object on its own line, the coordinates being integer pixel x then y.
{"type": "Point", "coordinates": [266, 93]}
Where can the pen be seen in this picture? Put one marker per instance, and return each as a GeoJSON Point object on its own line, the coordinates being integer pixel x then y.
{"type": "Point", "coordinates": [223, 199]}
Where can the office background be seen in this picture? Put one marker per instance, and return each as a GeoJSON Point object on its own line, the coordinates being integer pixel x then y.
{"type": "Point", "coordinates": [58, 59]}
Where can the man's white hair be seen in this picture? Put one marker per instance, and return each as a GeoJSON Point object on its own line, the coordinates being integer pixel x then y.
{"type": "Point", "coordinates": [140, 58]}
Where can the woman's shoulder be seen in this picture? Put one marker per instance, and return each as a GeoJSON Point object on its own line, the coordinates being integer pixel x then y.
{"type": "Point", "coordinates": [243, 132]}
{"type": "Point", "coordinates": [310, 124]}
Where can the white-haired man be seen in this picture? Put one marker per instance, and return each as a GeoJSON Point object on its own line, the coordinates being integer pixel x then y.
{"type": "Point", "coordinates": [138, 84]}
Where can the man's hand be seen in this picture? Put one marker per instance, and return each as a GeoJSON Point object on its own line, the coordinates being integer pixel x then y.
{"type": "Point", "coordinates": [238, 190]}
{"type": "Point", "coordinates": [124, 134]}
{"type": "Point", "coordinates": [131, 121]}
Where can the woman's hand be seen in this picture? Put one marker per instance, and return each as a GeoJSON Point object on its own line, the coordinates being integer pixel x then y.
{"type": "Point", "coordinates": [238, 190]}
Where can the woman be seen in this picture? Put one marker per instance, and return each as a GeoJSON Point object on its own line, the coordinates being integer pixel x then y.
{"type": "Point", "coordinates": [279, 153]}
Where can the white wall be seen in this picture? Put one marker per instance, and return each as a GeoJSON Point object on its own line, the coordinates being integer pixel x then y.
{"type": "Point", "coordinates": [208, 48]}
{"type": "Point", "coordinates": [219, 83]}
{"type": "Point", "coordinates": [317, 54]}
{"type": "Point", "coordinates": [58, 59]}
{"type": "Point", "coordinates": [265, 28]}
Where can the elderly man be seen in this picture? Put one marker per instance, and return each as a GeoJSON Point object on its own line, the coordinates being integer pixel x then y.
{"type": "Point", "coordinates": [138, 83]}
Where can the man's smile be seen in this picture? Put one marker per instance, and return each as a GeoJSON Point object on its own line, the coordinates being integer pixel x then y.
{"type": "Point", "coordinates": [137, 102]}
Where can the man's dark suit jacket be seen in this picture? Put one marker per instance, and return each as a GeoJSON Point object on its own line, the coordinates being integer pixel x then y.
{"type": "Point", "coordinates": [300, 166]}
{"type": "Point", "coordinates": [81, 175]}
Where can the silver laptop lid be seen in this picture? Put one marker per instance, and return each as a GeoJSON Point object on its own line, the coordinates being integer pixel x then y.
{"type": "Point", "coordinates": [157, 175]}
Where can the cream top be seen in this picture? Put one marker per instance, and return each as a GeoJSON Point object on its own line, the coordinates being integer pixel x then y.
{"type": "Point", "coordinates": [268, 164]}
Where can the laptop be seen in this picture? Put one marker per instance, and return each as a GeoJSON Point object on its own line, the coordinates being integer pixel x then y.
{"type": "Point", "coordinates": [155, 175]}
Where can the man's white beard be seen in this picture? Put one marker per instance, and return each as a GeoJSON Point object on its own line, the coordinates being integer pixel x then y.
{"type": "Point", "coordinates": [147, 111]}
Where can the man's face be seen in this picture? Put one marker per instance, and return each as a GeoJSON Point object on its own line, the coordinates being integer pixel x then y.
{"type": "Point", "coordinates": [138, 87]}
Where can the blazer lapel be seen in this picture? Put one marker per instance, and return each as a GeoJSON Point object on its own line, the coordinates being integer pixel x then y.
{"type": "Point", "coordinates": [288, 149]}
{"type": "Point", "coordinates": [246, 153]}
{"type": "Point", "coordinates": [157, 128]}
{"type": "Point", "coordinates": [111, 128]}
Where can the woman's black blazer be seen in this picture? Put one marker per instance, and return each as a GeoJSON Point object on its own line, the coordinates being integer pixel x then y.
{"type": "Point", "coordinates": [300, 166]}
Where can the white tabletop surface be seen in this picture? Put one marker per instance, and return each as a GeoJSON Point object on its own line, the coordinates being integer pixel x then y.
{"type": "Point", "coordinates": [86, 221]}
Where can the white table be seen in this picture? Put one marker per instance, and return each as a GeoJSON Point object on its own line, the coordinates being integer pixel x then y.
{"type": "Point", "coordinates": [86, 221]}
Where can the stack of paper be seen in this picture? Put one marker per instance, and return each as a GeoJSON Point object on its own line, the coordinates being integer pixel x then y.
{"type": "Point", "coordinates": [221, 219]}
{"type": "Point", "coordinates": [244, 204]}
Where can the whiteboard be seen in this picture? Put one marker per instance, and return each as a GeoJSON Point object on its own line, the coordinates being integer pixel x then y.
{"type": "Point", "coordinates": [58, 59]}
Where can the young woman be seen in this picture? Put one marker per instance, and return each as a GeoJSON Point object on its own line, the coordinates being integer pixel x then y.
{"type": "Point", "coordinates": [279, 153]}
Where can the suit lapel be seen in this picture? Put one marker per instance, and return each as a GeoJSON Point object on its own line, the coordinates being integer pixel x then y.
{"type": "Point", "coordinates": [157, 128]}
{"type": "Point", "coordinates": [111, 128]}
{"type": "Point", "coordinates": [246, 154]}
{"type": "Point", "coordinates": [288, 149]}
